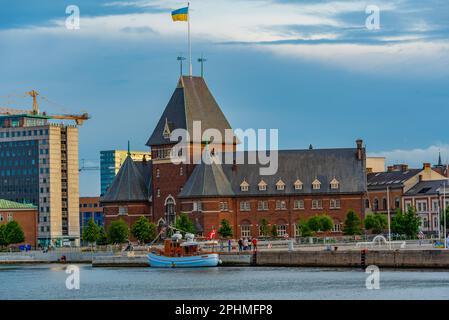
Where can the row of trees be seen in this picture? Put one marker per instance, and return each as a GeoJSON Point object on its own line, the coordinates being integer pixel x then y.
{"type": "Point", "coordinates": [118, 232]}
{"type": "Point", "coordinates": [143, 230]}
{"type": "Point", "coordinates": [402, 223]}
{"type": "Point", "coordinates": [11, 233]}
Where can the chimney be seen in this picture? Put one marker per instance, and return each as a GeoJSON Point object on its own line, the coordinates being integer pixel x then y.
{"type": "Point", "coordinates": [360, 152]}
{"type": "Point", "coordinates": [420, 178]}
{"type": "Point", "coordinates": [404, 167]}
{"type": "Point", "coordinates": [234, 166]}
{"type": "Point", "coordinates": [390, 168]}
{"type": "Point", "coordinates": [427, 166]}
{"type": "Point", "coordinates": [369, 170]}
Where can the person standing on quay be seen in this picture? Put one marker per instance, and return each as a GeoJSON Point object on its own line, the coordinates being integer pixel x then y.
{"type": "Point", "coordinates": [254, 241]}
{"type": "Point", "coordinates": [245, 244]}
{"type": "Point", "coordinates": [229, 245]}
{"type": "Point", "coordinates": [240, 244]}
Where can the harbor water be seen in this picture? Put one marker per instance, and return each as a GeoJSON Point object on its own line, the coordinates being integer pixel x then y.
{"type": "Point", "coordinates": [48, 281]}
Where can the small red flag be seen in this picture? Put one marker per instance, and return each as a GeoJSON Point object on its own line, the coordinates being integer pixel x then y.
{"type": "Point", "coordinates": [211, 234]}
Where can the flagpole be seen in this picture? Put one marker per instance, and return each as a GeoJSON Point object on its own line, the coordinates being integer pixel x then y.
{"type": "Point", "coordinates": [388, 211]}
{"type": "Point", "coordinates": [444, 217]}
{"type": "Point", "coordinates": [190, 44]}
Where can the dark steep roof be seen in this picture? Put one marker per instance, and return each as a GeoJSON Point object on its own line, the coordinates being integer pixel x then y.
{"type": "Point", "coordinates": [132, 183]}
{"type": "Point", "coordinates": [191, 101]}
{"type": "Point", "coordinates": [207, 180]}
{"type": "Point", "coordinates": [305, 165]}
{"type": "Point", "coordinates": [424, 188]}
{"type": "Point", "coordinates": [392, 179]}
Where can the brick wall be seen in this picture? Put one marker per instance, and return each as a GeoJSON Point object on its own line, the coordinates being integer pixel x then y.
{"type": "Point", "coordinates": [27, 219]}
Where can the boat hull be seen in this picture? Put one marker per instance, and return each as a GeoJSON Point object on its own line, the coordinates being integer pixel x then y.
{"type": "Point", "coordinates": [204, 260]}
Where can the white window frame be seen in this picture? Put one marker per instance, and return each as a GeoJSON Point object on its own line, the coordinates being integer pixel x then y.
{"type": "Point", "coordinates": [224, 206]}
{"type": "Point", "coordinates": [123, 210]}
{"type": "Point", "coordinates": [335, 204]}
{"type": "Point", "coordinates": [245, 205]}
{"type": "Point", "coordinates": [421, 206]}
{"type": "Point", "coordinates": [281, 230]}
{"type": "Point", "coordinates": [262, 205]}
{"type": "Point", "coordinates": [245, 230]}
{"type": "Point", "coordinates": [317, 204]}
{"type": "Point", "coordinates": [298, 204]}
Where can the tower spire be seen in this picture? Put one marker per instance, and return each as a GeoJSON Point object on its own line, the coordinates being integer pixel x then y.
{"type": "Point", "coordinates": [440, 162]}
{"type": "Point", "coordinates": [129, 150]}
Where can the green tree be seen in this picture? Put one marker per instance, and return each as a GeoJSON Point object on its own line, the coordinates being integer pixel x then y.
{"type": "Point", "coordinates": [91, 233]}
{"type": "Point", "coordinates": [376, 222]}
{"type": "Point", "coordinates": [304, 229]}
{"type": "Point", "coordinates": [102, 238]}
{"type": "Point", "coordinates": [184, 224]}
{"type": "Point", "coordinates": [321, 222]}
{"type": "Point", "coordinates": [225, 230]}
{"type": "Point", "coordinates": [447, 219]}
{"type": "Point", "coordinates": [118, 231]}
{"type": "Point", "coordinates": [406, 223]}
{"type": "Point", "coordinates": [398, 222]}
{"type": "Point", "coordinates": [264, 230]}
{"type": "Point", "coordinates": [14, 233]}
{"type": "Point", "coordinates": [3, 236]}
{"type": "Point", "coordinates": [143, 230]}
{"type": "Point", "coordinates": [352, 224]}
{"type": "Point", "coordinates": [274, 231]}
{"type": "Point", "coordinates": [412, 223]}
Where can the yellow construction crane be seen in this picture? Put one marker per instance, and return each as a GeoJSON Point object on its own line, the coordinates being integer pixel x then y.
{"type": "Point", "coordinates": [78, 118]}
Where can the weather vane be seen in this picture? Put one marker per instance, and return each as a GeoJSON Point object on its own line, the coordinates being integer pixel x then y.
{"type": "Point", "coordinates": [202, 60]}
{"type": "Point", "coordinates": [180, 58]}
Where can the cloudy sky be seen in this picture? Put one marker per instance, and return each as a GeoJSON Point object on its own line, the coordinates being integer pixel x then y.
{"type": "Point", "coordinates": [308, 68]}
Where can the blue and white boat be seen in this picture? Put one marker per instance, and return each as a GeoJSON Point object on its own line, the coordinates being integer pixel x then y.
{"type": "Point", "coordinates": [178, 254]}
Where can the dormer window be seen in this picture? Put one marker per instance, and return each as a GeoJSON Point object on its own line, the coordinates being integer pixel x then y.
{"type": "Point", "coordinates": [316, 184]}
{"type": "Point", "coordinates": [244, 186]}
{"type": "Point", "coordinates": [298, 184]}
{"type": "Point", "coordinates": [166, 133]}
{"type": "Point", "coordinates": [280, 185]}
{"type": "Point", "coordinates": [262, 185]}
{"type": "Point", "coordinates": [335, 184]}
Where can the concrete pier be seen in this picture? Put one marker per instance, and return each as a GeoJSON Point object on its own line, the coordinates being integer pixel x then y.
{"type": "Point", "coordinates": [380, 258]}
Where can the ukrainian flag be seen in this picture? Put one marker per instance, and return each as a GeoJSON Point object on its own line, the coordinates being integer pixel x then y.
{"type": "Point", "coordinates": [180, 14]}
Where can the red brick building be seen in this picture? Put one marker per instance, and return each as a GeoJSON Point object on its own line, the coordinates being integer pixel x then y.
{"type": "Point", "coordinates": [25, 215]}
{"type": "Point", "coordinates": [307, 182]}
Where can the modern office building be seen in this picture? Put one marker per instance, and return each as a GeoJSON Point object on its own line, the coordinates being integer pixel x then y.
{"type": "Point", "coordinates": [90, 209]}
{"type": "Point", "coordinates": [111, 161]}
{"type": "Point", "coordinates": [39, 166]}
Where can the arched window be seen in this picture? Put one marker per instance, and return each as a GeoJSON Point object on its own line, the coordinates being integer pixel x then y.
{"type": "Point", "coordinates": [397, 203]}
{"type": "Point", "coordinates": [170, 210]}
{"type": "Point", "coordinates": [367, 203]}
{"type": "Point", "coordinates": [376, 204]}
{"type": "Point", "coordinates": [384, 203]}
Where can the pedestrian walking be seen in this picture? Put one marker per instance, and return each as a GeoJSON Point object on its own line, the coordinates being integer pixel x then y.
{"type": "Point", "coordinates": [254, 241]}
{"type": "Point", "coordinates": [245, 244]}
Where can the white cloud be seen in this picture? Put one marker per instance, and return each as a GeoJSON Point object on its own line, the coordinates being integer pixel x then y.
{"type": "Point", "coordinates": [417, 57]}
{"type": "Point", "coordinates": [263, 21]}
{"type": "Point", "coordinates": [415, 157]}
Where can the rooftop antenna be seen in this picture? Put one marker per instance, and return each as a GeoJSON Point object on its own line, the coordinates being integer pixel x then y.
{"type": "Point", "coordinates": [180, 58]}
{"type": "Point", "coordinates": [202, 60]}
